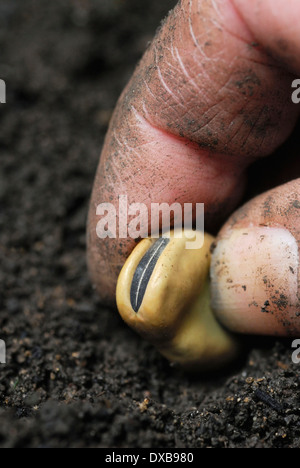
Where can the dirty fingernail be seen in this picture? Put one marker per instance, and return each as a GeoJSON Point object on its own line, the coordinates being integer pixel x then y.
{"type": "Point", "coordinates": [254, 281]}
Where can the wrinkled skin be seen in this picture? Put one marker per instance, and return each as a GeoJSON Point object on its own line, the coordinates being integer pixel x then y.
{"type": "Point", "coordinates": [211, 95]}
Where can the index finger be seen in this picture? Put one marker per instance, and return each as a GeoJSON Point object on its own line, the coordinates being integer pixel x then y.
{"type": "Point", "coordinates": [205, 101]}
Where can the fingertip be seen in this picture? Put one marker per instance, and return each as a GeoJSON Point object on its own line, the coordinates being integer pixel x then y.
{"type": "Point", "coordinates": [254, 281]}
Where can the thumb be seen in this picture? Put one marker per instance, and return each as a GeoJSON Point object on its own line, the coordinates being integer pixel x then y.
{"type": "Point", "coordinates": [255, 265]}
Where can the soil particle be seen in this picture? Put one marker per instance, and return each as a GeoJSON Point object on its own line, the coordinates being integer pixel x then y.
{"type": "Point", "coordinates": [296, 204]}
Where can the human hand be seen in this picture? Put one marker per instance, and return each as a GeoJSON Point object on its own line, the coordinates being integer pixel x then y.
{"type": "Point", "coordinates": [211, 95]}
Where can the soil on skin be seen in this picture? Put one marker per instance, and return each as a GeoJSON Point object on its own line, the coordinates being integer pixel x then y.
{"type": "Point", "coordinates": [76, 376]}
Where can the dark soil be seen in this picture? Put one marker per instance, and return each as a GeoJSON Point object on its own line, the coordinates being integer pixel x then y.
{"type": "Point", "coordinates": [76, 376]}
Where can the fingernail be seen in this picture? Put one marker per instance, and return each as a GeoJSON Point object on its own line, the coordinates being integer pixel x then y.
{"type": "Point", "coordinates": [254, 281]}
